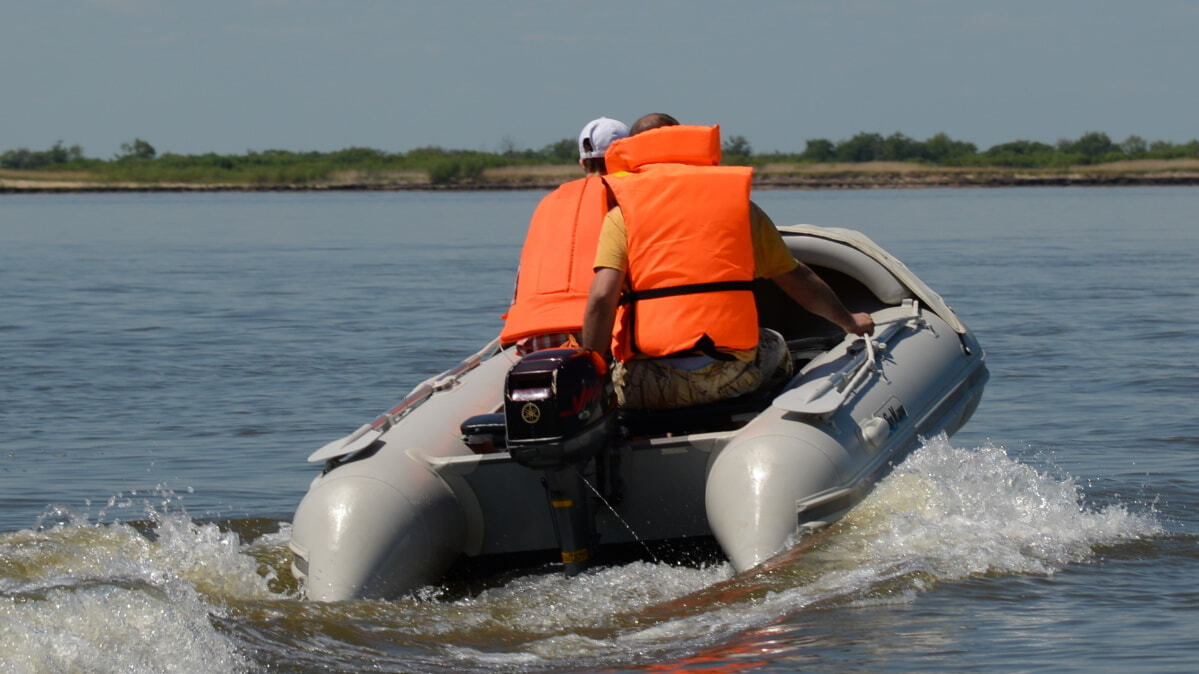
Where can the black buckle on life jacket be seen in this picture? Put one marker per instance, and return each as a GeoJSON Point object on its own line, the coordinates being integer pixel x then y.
{"type": "Point", "coordinates": [707, 347]}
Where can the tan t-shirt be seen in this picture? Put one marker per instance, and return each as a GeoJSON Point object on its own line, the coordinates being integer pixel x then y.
{"type": "Point", "coordinates": [771, 255]}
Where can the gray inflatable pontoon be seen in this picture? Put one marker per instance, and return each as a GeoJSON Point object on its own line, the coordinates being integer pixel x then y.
{"type": "Point", "coordinates": [403, 498]}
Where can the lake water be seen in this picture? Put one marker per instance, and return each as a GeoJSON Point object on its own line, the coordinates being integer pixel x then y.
{"type": "Point", "coordinates": [167, 363]}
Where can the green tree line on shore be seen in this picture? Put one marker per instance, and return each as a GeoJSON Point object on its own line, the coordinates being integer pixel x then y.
{"type": "Point", "coordinates": [139, 161]}
{"type": "Point", "coordinates": [940, 150]}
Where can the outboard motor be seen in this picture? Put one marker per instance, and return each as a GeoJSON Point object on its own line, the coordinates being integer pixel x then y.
{"type": "Point", "coordinates": [560, 412]}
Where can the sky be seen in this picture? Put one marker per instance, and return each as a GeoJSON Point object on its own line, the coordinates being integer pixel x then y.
{"type": "Point", "coordinates": [231, 76]}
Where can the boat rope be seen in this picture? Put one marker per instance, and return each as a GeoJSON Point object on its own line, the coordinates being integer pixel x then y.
{"type": "Point", "coordinates": [622, 520]}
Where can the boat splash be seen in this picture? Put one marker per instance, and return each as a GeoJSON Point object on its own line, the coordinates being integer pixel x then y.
{"type": "Point", "coordinates": [165, 592]}
{"type": "Point", "coordinates": [138, 596]}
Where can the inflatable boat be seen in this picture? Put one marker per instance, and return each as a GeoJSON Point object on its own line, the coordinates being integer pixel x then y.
{"type": "Point", "coordinates": [501, 455]}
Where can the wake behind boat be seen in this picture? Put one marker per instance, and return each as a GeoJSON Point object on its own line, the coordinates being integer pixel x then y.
{"type": "Point", "coordinates": [500, 455]}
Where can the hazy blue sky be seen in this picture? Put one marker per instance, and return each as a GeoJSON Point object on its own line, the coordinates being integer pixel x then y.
{"type": "Point", "coordinates": [193, 76]}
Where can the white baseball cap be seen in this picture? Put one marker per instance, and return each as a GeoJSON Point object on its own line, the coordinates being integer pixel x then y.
{"type": "Point", "coordinates": [599, 134]}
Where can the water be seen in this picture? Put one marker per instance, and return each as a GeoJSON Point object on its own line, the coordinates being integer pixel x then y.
{"type": "Point", "coordinates": [167, 362]}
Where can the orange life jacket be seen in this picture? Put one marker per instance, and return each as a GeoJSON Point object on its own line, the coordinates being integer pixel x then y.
{"type": "Point", "coordinates": [556, 262]}
{"type": "Point", "coordinates": [690, 251]}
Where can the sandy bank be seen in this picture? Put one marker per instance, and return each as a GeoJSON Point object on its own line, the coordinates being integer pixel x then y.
{"type": "Point", "coordinates": [871, 175]}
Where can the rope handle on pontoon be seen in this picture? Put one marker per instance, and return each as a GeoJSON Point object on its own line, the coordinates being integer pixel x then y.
{"type": "Point", "coordinates": [827, 394]}
{"type": "Point", "coordinates": [852, 377]}
{"type": "Point", "coordinates": [875, 347]}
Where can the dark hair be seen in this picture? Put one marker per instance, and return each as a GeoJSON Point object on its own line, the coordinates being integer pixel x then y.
{"type": "Point", "coordinates": [652, 121]}
{"type": "Point", "coordinates": [595, 165]}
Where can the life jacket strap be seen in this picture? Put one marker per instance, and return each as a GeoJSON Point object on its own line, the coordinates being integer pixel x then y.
{"type": "Point", "coordinates": [630, 296]}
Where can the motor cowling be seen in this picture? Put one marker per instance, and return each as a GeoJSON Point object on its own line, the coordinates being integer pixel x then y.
{"type": "Point", "coordinates": [559, 407]}
{"type": "Point", "coordinates": [559, 413]}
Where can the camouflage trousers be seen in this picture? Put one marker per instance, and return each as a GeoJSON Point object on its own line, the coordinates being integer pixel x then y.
{"type": "Point", "coordinates": [682, 381]}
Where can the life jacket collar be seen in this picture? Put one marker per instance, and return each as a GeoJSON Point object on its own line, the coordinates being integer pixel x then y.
{"type": "Point", "coordinates": [679, 144]}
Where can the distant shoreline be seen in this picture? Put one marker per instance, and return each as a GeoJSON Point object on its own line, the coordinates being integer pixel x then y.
{"type": "Point", "coordinates": [872, 175]}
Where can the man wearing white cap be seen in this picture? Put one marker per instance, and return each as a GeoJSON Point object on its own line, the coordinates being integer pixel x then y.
{"type": "Point", "coordinates": [556, 264]}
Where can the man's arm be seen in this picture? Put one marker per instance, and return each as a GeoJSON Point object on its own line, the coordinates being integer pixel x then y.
{"type": "Point", "coordinates": [804, 286]}
{"type": "Point", "coordinates": [600, 314]}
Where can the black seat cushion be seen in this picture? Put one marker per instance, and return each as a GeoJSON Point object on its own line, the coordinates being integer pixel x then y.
{"type": "Point", "coordinates": [722, 415]}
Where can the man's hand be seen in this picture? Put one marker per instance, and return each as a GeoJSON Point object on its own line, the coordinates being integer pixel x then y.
{"type": "Point", "coordinates": [863, 324]}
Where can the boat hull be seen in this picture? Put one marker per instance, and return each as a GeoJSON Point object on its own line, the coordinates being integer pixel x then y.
{"type": "Point", "coordinates": [402, 498]}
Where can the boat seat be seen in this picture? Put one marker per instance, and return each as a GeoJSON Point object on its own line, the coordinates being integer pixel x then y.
{"type": "Point", "coordinates": [723, 415]}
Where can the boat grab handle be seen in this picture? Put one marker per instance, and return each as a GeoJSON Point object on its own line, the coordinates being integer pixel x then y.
{"type": "Point", "coordinates": [826, 394]}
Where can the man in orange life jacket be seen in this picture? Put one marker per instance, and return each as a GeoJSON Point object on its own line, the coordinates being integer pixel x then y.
{"type": "Point", "coordinates": [676, 260]}
{"type": "Point", "coordinates": [556, 262]}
